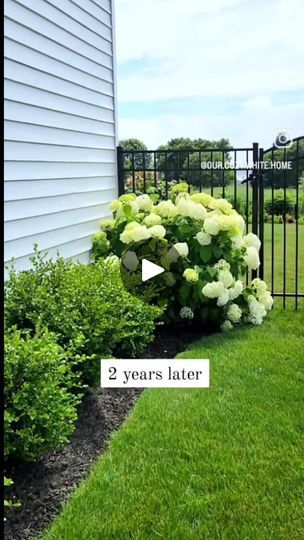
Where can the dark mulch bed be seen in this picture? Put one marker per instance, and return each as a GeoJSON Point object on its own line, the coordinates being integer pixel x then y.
{"type": "Point", "coordinates": [44, 485]}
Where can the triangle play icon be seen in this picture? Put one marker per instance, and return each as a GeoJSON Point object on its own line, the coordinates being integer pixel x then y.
{"type": "Point", "coordinates": [150, 270]}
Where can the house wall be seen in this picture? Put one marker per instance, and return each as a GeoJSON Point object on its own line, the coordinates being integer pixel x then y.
{"type": "Point", "coordinates": [60, 136]}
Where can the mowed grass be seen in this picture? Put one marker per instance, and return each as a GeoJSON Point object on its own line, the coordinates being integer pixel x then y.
{"type": "Point", "coordinates": [207, 464]}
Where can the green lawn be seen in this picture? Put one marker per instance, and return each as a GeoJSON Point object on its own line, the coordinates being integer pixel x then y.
{"type": "Point", "coordinates": [207, 464]}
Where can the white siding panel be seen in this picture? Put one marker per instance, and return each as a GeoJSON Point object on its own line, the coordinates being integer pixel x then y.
{"type": "Point", "coordinates": [23, 93]}
{"type": "Point", "coordinates": [24, 246]}
{"type": "Point", "coordinates": [60, 155]}
{"type": "Point", "coordinates": [29, 114]}
{"type": "Point", "coordinates": [70, 250]}
{"type": "Point", "coordinates": [17, 190]}
{"type": "Point", "coordinates": [97, 24]}
{"type": "Point", "coordinates": [34, 225]}
{"type": "Point", "coordinates": [18, 131]}
{"type": "Point", "coordinates": [60, 68]}
{"type": "Point", "coordinates": [21, 34]}
{"type": "Point", "coordinates": [101, 13]}
{"type": "Point", "coordinates": [43, 152]}
{"type": "Point", "coordinates": [15, 71]}
{"type": "Point", "coordinates": [42, 27]}
{"type": "Point", "coordinates": [20, 170]}
{"type": "Point", "coordinates": [48, 12]}
{"type": "Point", "coordinates": [20, 209]}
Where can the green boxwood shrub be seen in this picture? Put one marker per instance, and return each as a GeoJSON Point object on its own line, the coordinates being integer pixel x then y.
{"type": "Point", "coordinates": [86, 306]}
{"type": "Point", "coordinates": [39, 394]}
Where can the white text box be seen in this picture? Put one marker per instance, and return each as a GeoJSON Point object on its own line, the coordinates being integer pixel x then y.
{"type": "Point", "coordinates": [164, 373]}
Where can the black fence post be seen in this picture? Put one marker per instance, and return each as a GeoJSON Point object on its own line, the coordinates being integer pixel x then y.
{"type": "Point", "coordinates": [260, 180]}
{"type": "Point", "coordinates": [120, 170]}
{"type": "Point", "coordinates": [255, 193]}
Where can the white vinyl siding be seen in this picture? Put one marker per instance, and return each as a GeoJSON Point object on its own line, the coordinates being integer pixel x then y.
{"type": "Point", "coordinates": [60, 136]}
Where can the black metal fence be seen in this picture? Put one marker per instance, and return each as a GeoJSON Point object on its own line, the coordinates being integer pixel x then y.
{"type": "Point", "coordinates": [265, 186]}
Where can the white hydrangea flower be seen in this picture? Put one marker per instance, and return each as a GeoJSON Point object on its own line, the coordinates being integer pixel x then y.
{"type": "Point", "coordinates": [236, 290]}
{"type": "Point", "coordinates": [182, 248]}
{"type": "Point", "coordinates": [188, 208]}
{"type": "Point", "coordinates": [130, 261]}
{"type": "Point", "coordinates": [226, 326]}
{"type": "Point", "coordinates": [198, 211]}
{"type": "Point", "coordinates": [107, 224]}
{"type": "Point", "coordinates": [134, 207]}
{"type": "Point", "coordinates": [257, 311]}
{"type": "Point", "coordinates": [152, 219]}
{"type": "Point", "coordinates": [232, 222]}
{"type": "Point", "coordinates": [213, 289]}
{"type": "Point", "coordinates": [191, 275]}
{"type": "Point", "coordinates": [131, 225]}
{"type": "Point", "coordinates": [234, 313]}
{"type": "Point", "coordinates": [252, 258]}
{"type": "Point", "coordinates": [237, 241]}
{"type": "Point", "coordinates": [259, 285]}
{"type": "Point", "coordinates": [223, 299]}
{"type": "Point", "coordinates": [144, 202]}
{"type": "Point", "coordinates": [183, 195]}
{"type": "Point", "coordinates": [203, 238]}
{"type": "Point", "coordinates": [132, 204]}
{"type": "Point", "coordinates": [266, 299]}
{"type": "Point", "coordinates": [165, 209]}
{"type": "Point", "coordinates": [251, 240]}
{"type": "Point", "coordinates": [135, 234]}
{"type": "Point", "coordinates": [157, 231]}
{"type": "Point", "coordinates": [183, 207]}
{"type": "Point", "coordinates": [140, 233]}
{"type": "Point", "coordinates": [115, 205]}
{"type": "Point", "coordinates": [222, 265]}
{"type": "Point", "coordinates": [236, 222]}
{"type": "Point", "coordinates": [202, 198]}
{"type": "Point", "coordinates": [226, 278]}
{"type": "Point", "coordinates": [221, 204]}
{"type": "Point", "coordinates": [125, 237]}
{"type": "Point", "coordinates": [186, 313]}
{"type": "Point", "coordinates": [212, 224]}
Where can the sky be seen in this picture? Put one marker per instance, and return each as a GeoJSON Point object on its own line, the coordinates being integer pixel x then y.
{"type": "Point", "coordinates": [209, 69]}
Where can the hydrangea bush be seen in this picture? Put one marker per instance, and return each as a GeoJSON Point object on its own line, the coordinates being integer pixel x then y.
{"type": "Point", "coordinates": [201, 243]}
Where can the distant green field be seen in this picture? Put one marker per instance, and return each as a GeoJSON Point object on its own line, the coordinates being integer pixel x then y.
{"type": "Point", "coordinates": [241, 192]}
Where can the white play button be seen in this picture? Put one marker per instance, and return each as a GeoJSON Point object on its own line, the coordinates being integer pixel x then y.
{"type": "Point", "coordinates": [150, 270]}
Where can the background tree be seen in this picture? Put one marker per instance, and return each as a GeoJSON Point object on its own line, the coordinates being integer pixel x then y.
{"type": "Point", "coordinates": [184, 162]}
{"type": "Point", "coordinates": [132, 145]}
{"type": "Point", "coordinates": [278, 177]}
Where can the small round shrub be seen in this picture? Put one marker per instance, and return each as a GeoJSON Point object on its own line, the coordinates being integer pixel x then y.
{"type": "Point", "coordinates": [86, 306]}
{"type": "Point", "coordinates": [280, 205]}
{"type": "Point", "coordinates": [203, 278]}
{"type": "Point", "coordinates": [39, 395]}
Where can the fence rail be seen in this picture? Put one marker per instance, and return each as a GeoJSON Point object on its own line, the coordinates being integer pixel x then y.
{"type": "Point", "coordinates": [271, 200]}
